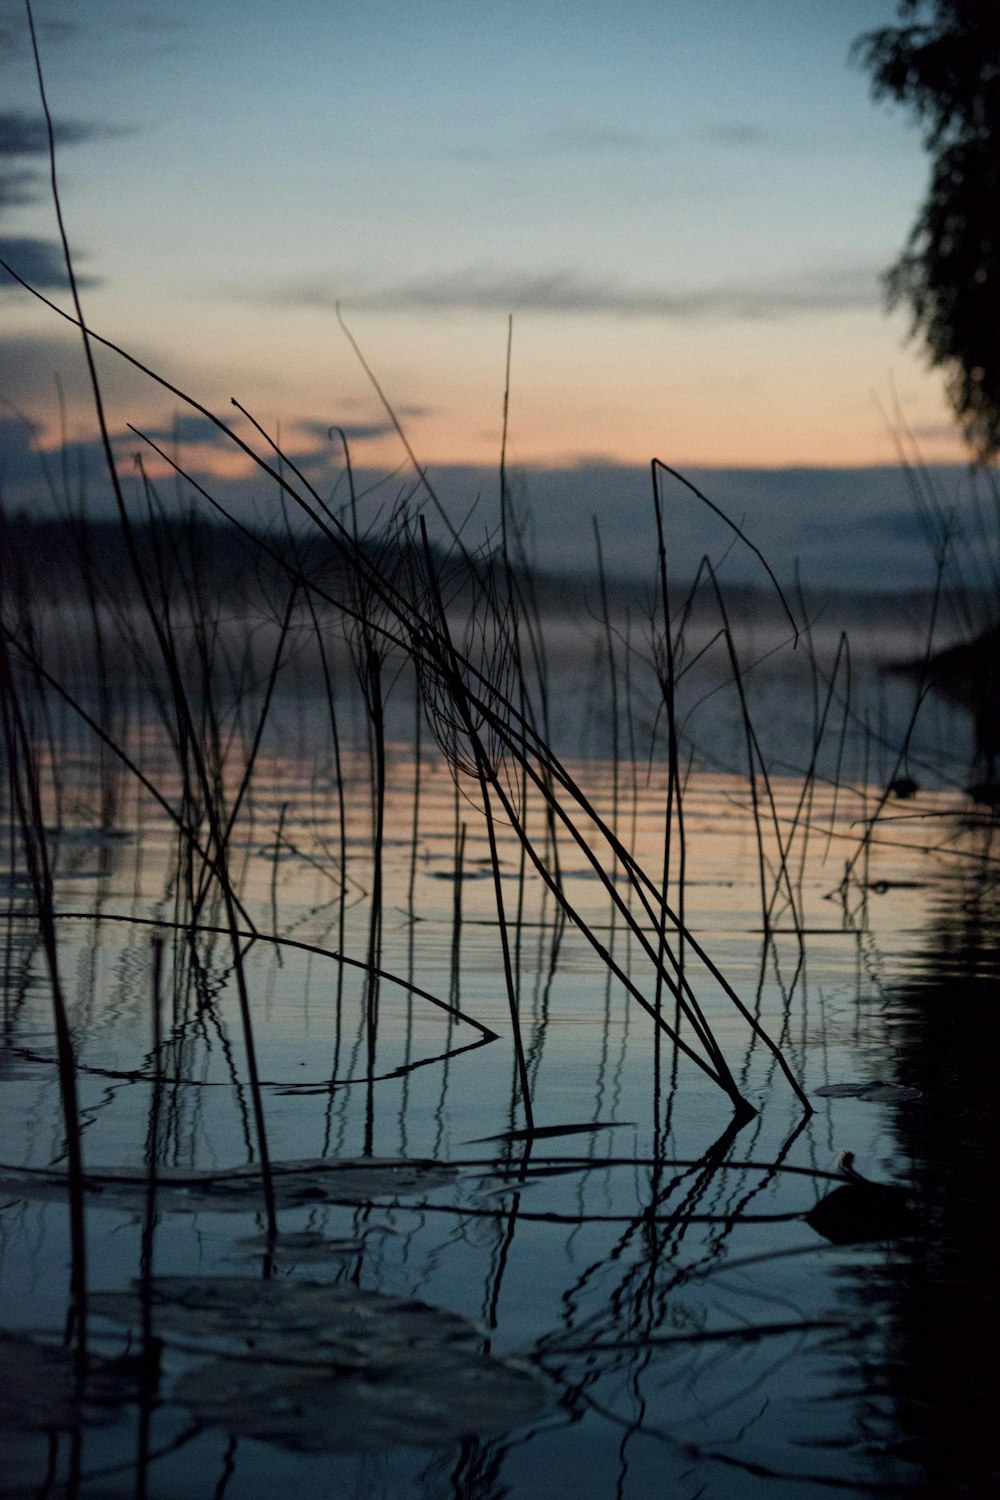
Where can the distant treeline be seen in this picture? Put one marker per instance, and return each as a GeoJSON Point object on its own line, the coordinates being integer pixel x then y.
{"type": "Point", "coordinates": [52, 557]}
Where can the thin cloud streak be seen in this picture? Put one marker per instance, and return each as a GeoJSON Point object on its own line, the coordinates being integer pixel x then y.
{"type": "Point", "coordinates": [63, 23]}
{"type": "Point", "coordinates": [564, 292]}
{"type": "Point", "coordinates": [739, 134]}
{"type": "Point", "coordinates": [14, 31]}
{"type": "Point", "coordinates": [355, 432]}
{"type": "Point", "coordinates": [599, 140]}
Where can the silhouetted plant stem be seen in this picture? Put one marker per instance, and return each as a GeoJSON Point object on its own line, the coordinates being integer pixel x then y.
{"type": "Point", "coordinates": [189, 740]}
{"type": "Point", "coordinates": [338, 773]}
{"type": "Point", "coordinates": [667, 679]}
{"type": "Point", "coordinates": [609, 646]}
{"type": "Point", "coordinates": [149, 1367]}
{"type": "Point", "coordinates": [487, 781]}
{"type": "Point", "coordinates": [30, 817]}
{"type": "Point", "coordinates": [456, 914]}
{"type": "Point", "coordinates": [282, 814]}
{"type": "Point", "coordinates": [493, 713]}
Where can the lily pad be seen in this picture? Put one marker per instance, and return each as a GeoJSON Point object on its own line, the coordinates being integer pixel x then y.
{"type": "Point", "coordinates": [291, 1319]}
{"type": "Point", "coordinates": [332, 1368]}
{"type": "Point", "coordinates": [423, 1399]}
{"type": "Point", "coordinates": [37, 1386]}
{"type": "Point", "coordinates": [39, 1390]}
{"type": "Point", "coordinates": [844, 1090]}
{"type": "Point", "coordinates": [325, 1181]}
{"type": "Point", "coordinates": [302, 1247]}
{"type": "Point", "coordinates": [240, 1189]}
{"type": "Point", "coordinates": [890, 1093]}
{"type": "Point", "coordinates": [875, 1092]}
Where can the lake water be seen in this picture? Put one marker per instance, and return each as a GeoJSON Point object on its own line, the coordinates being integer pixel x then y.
{"type": "Point", "coordinates": [646, 1308]}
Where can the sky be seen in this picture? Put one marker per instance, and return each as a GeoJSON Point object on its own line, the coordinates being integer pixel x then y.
{"type": "Point", "coordinates": [685, 207]}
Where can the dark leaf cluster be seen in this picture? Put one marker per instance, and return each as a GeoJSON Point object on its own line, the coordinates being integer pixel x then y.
{"type": "Point", "coordinates": [944, 63]}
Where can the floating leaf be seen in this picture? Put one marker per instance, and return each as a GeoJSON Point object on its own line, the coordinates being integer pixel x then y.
{"type": "Point", "coordinates": [332, 1367]}
{"type": "Point", "coordinates": [240, 1189]}
{"type": "Point", "coordinates": [875, 1092]}
{"type": "Point", "coordinates": [37, 1388]}
{"type": "Point", "coordinates": [890, 1093]}
{"type": "Point", "coordinates": [286, 1319]}
{"type": "Point", "coordinates": [323, 1180]}
{"type": "Point", "coordinates": [426, 1399]}
{"type": "Point", "coordinates": [305, 1246]}
{"type": "Point", "coordinates": [845, 1090]}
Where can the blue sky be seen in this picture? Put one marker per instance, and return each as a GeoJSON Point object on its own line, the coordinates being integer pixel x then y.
{"type": "Point", "coordinates": [685, 206]}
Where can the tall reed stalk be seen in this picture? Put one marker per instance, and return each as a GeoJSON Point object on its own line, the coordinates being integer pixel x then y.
{"type": "Point", "coordinates": [476, 700]}
{"type": "Point", "coordinates": [186, 729]}
{"type": "Point", "coordinates": [28, 810]}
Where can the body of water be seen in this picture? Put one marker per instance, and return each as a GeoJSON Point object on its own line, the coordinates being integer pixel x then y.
{"type": "Point", "coordinates": [646, 1295]}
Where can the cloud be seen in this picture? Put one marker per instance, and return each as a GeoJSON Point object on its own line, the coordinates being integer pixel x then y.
{"type": "Point", "coordinates": [585, 139]}
{"type": "Point", "coordinates": [563, 292]}
{"type": "Point", "coordinates": [355, 432]}
{"type": "Point", "coordinates": [14, 37]}
{"type": "Point", "coordinates": [18, 188]}
{"type": "Point", "coordinates": [738, 133]}
{"type": "Point", "coordinates": [23, 464]}
{"type": "Point", "coordinates": [40, 262]}
{"type": "Point", "coordinates": [22, 134]}
{"type": "Point", "coordinates": [25, 135]}
{"type": "Point", "coordinates": [28, 468]}
{"type": "Point", "coordinates": [32, 363]}
{"type": "Point", "coordinates": [193, 429]}
{"type": "Point", "coordinates": [155, 24]}
{"type": "Point", "coordinates": [595, 139]}
{"type": "Point", "coordinates": [190, 429]}
{"type": "Point", "coordinates": [68, 21]}
{"type": "Point", "coordinates": [561, 140]}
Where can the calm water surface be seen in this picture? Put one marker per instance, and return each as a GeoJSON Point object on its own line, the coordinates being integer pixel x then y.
{"type": "Point", "coordinates": [686, 1330]}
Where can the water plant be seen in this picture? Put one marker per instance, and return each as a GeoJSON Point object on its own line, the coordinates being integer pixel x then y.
{"type": "Point", "coordinates": [481, 727]}
{"type": "Point", "coordinates": [410, 621]}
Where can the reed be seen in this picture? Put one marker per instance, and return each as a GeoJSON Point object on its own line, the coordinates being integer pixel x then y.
{"type": "Point", "coordinates": [485, 698]}
{"type": "Point", "coordinates": [464, 695]}
{"type": "Point", "coordinates": [190, 748]}
{"type": "Point", "coordinates": [25, 789]}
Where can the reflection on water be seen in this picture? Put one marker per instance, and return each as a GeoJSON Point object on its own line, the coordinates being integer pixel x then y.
{"type": "Point", "coordinates": [648, 1283]}
{"type": "Point", "coordinates": [944, 1296]}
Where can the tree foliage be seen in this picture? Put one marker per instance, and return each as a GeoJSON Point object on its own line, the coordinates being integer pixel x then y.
{"type": "Point", "coordinates": [943, 61]}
